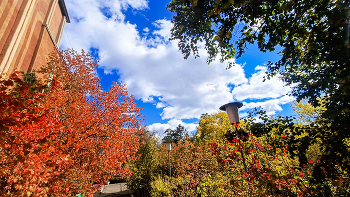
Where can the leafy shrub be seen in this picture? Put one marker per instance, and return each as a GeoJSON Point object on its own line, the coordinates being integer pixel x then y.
{"type": "Point", "coordinates": [146, 168]}
{"type": "Point", "coordinates": [162, 187]}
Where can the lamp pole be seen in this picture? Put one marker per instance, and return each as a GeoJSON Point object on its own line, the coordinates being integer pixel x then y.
{"type": "Point", "coordinates": [169, 166]}
{"type": "Point", "coordinates": [233, 116]}
{"type": "Point", "coordinates": [168, 147]}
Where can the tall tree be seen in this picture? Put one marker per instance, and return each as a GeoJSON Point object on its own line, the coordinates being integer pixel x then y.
{"type": "Point", "coordinates": [71, 137]}
{"type": "Point", "coordinates": [100, 126]}
{"type": "Point", "coordinates": [308, 114]}
{"type": "Point", "coordinates": [146, 167]}
{"type": "Point", "coordinates": [176, 134]}
{"type": "Point", "coordinates": [212, 128]}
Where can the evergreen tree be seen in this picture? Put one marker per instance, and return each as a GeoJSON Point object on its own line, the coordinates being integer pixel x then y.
{"type": "Point", "coordinates": [177, 134]}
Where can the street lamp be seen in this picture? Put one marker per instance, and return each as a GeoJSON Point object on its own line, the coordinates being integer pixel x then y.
{"type": "Point", "coordinates": [232, 111]}
{"type": "Point", "coordinates": [233, 116]}
{"type": "Point", "coordinates": [167, 143]}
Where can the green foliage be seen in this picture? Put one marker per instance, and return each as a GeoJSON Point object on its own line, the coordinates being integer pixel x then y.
{"type": "Point", "coordinates": [272, 170]}
{"type": "Point", "coordinates": [308, 114]}
{"type": "Point", "coordinates": [147, 167]}
{"type": "Point", "coordinates": [212, 186]}
{"type": "Point", "coordinates": [308, 143]}
{"type": "Point", "coordinates": [36, 84]}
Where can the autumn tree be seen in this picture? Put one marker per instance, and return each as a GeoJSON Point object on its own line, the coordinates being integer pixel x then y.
{"type": "Point", "coordinates": [308, 114]}
{"type": "Point", "coordinates": [212, 128]}
{"type": "Point", "coordinates": [192, 166]}
{"type": "Point", "coordinates": [240, 169]}
{"type": "Point", "coordinates": [268, 170]}
{"type": "Point", "coordinates": [100, 126]}
{"type": "Point", "coordinates": [71, 136]}
{"type": "Point", "coordinates": [305, 142]}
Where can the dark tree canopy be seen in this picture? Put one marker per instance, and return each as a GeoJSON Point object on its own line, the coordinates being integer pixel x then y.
{"type": "Point", "coordinates": [176, 134]}
{"type": "Point", "coordinates": [312, 37]}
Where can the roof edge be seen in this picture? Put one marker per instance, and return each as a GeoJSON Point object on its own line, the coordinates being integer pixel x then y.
{"type": "Point", "coordinates": [64, 10]}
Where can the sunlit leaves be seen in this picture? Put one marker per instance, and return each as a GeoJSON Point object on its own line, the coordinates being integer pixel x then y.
{"type": "Point", "coordinates": [28, 155]}
{"type": "Point", "coordinates": [212, 128]}
{"type": "Point", "coordinates": [268, 171]}
{"type": "Point", "coordinates": [191, 165]}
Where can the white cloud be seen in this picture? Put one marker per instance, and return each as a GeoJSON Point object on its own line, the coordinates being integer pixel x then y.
{"type": "Point", "coordinates": [160, 105]}
{"type": "Point", "coordinates": [154, 67]}
{"type": "Point", "coordinates": [164, 27]}
{"type": "Point", "coordinates": [116, 7]}
{"type": "Point", "coordinates": [270, 106]}
{"type": "Point", "coordinates": [257, 89]}
{"type": "Point", "coordinates": [146, 29]}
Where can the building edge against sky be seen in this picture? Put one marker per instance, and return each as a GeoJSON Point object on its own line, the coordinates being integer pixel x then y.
{"type": "Point", "coordinates": [29, 31]}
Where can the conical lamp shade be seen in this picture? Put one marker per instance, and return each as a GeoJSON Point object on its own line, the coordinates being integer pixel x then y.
{"type": "Point", "coordinates": [232, 111]}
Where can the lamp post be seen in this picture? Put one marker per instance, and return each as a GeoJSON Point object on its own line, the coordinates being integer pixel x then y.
{"type": "Point", "coordinates": [168, 148]}
{"type": "Point", "coordinates": [232, 111]}
{"type": "Point", "coordinates": [233, 116]}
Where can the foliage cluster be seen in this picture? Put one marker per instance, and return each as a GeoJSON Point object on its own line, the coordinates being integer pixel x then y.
{"type": "Point", "coordinates": [212, 128]}
{"type": "Point", "coordinates": [279, 158]}
{"type": "Point", "coordinates": [191, 163]}
{"type": "Point", "coordinates": [194, 171]}
{"type": "Point", "coordinates": [312, 38]}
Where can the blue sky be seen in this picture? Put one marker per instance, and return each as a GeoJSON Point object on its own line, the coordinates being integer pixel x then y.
{"type": "Point", "coordinates": [130, 39]}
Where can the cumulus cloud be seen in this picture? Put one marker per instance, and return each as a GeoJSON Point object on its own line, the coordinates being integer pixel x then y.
{"type": "Point", "coordinates": [255, 88]}
{"type": "Point", "coordinates": [152, 67]}
{"type": "Point", "coordinates": [164, 27]}
{"type": "Point", "coordinates": [270, 106]}
{"type": "Point", "coordinates": [160, 105]}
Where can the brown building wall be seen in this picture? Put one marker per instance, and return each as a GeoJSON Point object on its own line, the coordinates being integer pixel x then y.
{"type": "Point", "coordinates": [8, 12]}
{"type": "Point", "coordinates": [26, 48]}
{"type": "Point", "coordinates": [9, 20]}
{"type": "Point", "coordinates": [56, 21]}
{"type": "Point", "coordinates": [29, 31]}
{"type": "Point", "coordinates": [45, 48]}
